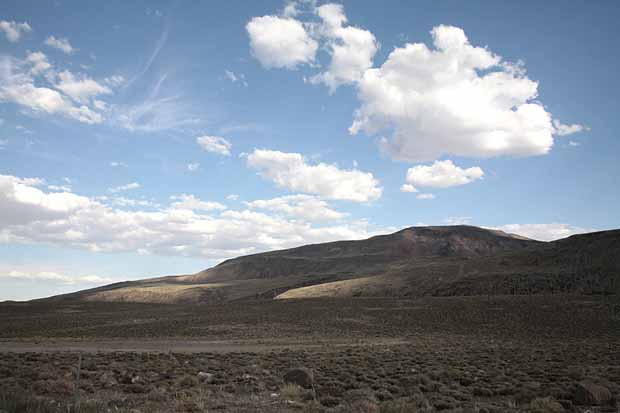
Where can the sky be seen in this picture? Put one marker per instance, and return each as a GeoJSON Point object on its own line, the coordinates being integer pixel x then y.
{"type": "Point", "coordinates": [154, 138]}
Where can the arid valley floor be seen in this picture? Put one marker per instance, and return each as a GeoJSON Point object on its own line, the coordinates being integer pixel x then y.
{"type": "Point", "coordinates": [468, 354]}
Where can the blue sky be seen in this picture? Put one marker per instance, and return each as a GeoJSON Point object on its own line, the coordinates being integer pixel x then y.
{"type": "Point", "coordinates": [156, 138]}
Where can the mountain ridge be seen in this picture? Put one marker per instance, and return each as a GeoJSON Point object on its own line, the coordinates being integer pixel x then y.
{"type": "Point", "coordinates": [415, 261]}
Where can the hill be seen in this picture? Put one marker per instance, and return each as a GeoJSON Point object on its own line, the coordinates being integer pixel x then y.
{"type": "Point", "coordinates": [418, 261]}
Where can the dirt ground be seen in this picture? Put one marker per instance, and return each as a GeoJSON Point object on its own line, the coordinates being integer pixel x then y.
{"type": "Point", "coordinates": [478, 354]}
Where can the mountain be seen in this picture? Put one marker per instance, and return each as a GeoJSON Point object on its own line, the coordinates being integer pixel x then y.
{"type": "Point", "coordinates": [417, 261]}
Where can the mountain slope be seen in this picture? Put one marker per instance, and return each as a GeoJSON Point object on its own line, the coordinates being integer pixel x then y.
{"type": "Point", "coordinates": [417, 261]}
{"type": "Point", "coordinates": [367, 256]}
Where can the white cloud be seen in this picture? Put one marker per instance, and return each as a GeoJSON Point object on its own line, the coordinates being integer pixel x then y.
{"type": "Point", "coordinates": [14, 30]}
{"type": "Point", "coordinates": [305, 207]}
{"type": "Point", "coordinates": [127, 187]}
{"type": "Point", "coordinates": [154, 114]}
{"type": "Point", "coordinates": [80, 89]}
{"type": "Point", "coordinates": [291, 171]}
{"type": "Point", "coordinates": [190, 202]}
{"type": "Point", "coordinates": [351, 49]}
{"type": "Point", "coordinates": [60, 44]}
{"type": "Point", "coordinates": [564, 130]}
{"type": "Point", "coordinates": [114, 81]}
{"type": "Point", "coordinates": [53, 276]}
{"type": "Point", "coordinates": [231, 76]}
{"type": "Point", "coordinates": [39, 62]}
{"type": "Point", "coordinates": [408, 188]}
{"type": "Point", "coordinates": [232, 197]}
{"type": "Point", "coordinates": [441, 174]}
{"type": "Point", "coordinates": [17, 86]}
{"type": "Point", "coordinates": [457, 220]}
{"type": "Point", "coordinates": [239, 77]}
{"type": "Point", "coordinates": [193, 166]}
{"type": "Point", "coordinates": [573, 143]}
{"type": "Point", "coordinates": [425, 196]}
{"type": "Point", "coordinates": [126, 202]}
{"type": "Point", "coordinates": [280, 42]}
{"type": "Point", "coordinates": [116, 164]}
{"type": "Point", "coordinates": [543, 232]}
{"type": "Point", "coordinates": [215, 144]}
{"type": "Point", "coordinates": [30, 215]}
{"type": "Point", "coordinates": [60, 188]}
{"type": "Point", "coordinates": [453, 99]}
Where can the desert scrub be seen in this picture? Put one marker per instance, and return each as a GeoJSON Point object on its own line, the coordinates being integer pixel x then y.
{"type": "Point", "coordinates": [20, 402]}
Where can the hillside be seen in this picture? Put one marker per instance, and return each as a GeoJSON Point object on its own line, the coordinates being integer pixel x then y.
{"type": "Point", "coordinates": [417, 261]}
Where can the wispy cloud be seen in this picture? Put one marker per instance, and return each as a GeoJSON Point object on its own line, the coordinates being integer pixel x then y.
{"type": "Point", "coordinates": [159, 45]}
{"type": "Point", "coordinates": [127, 187]}
{"type": "Point", "coordinates": [61, 43]}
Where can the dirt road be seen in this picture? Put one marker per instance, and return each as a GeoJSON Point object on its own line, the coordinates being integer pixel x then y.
{"type": "Point", "coordinates": [182, 346]}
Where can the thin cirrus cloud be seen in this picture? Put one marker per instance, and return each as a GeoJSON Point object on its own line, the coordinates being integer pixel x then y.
{"type": "Point", "coordinates": [214, 144]}
{"type": "Point", "coordinates": [293, 172]}
{"type": "Point", "coordinates": [13, 30]}
{"type": "Point", "coordinates": [123, 188]}
{"type": "Point", "coordinates": [425, 196]}
{"type": "Point", "coordinates": [453, 98]}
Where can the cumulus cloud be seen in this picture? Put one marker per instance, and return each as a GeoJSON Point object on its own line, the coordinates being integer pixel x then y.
{"type": "Point", "coordinates": [563, 130]}
{"type": "Point", "coordinates": [351, 48]}
{"type": "Point", "coordinates": [452, 98]}
{"type": "Point", "coordinates": [408, 188]}
{"type": "Point", "coordinates": [214, 144]}
{"type": "Point", "coordinates": [292, 171]}
{"type": "Point", "coordinates": [192, 203]}
{"type": "Point", "coordinates": [193, 166]}
{"type": "Point", "coordinates": [17, 85]}
{"type": "Point", "coordinates": [280, 42]}
{"type": "Point", "coordinates": [60, 188]}
{"type": "Point", "coordinates": [60, 43]}
{"type": "Point", "coordinates": [14, 30]}
{"type": "Point", "coordinates": [455, 98]}
{"type": "Point", "coordinates": [441, 174]}
{"type": "Point", "coordinates": [127, 187]}
{"type": "Point", "coordinates": [306, 207]}
{"type": "Point", "coordinates": [31, 215]}
{"type": "Point", "coordinates": [543, 232]}
{"type": "Point", "coordinates": [80, 89]}
{"type": "Point", "coordinates": [39, 62]}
